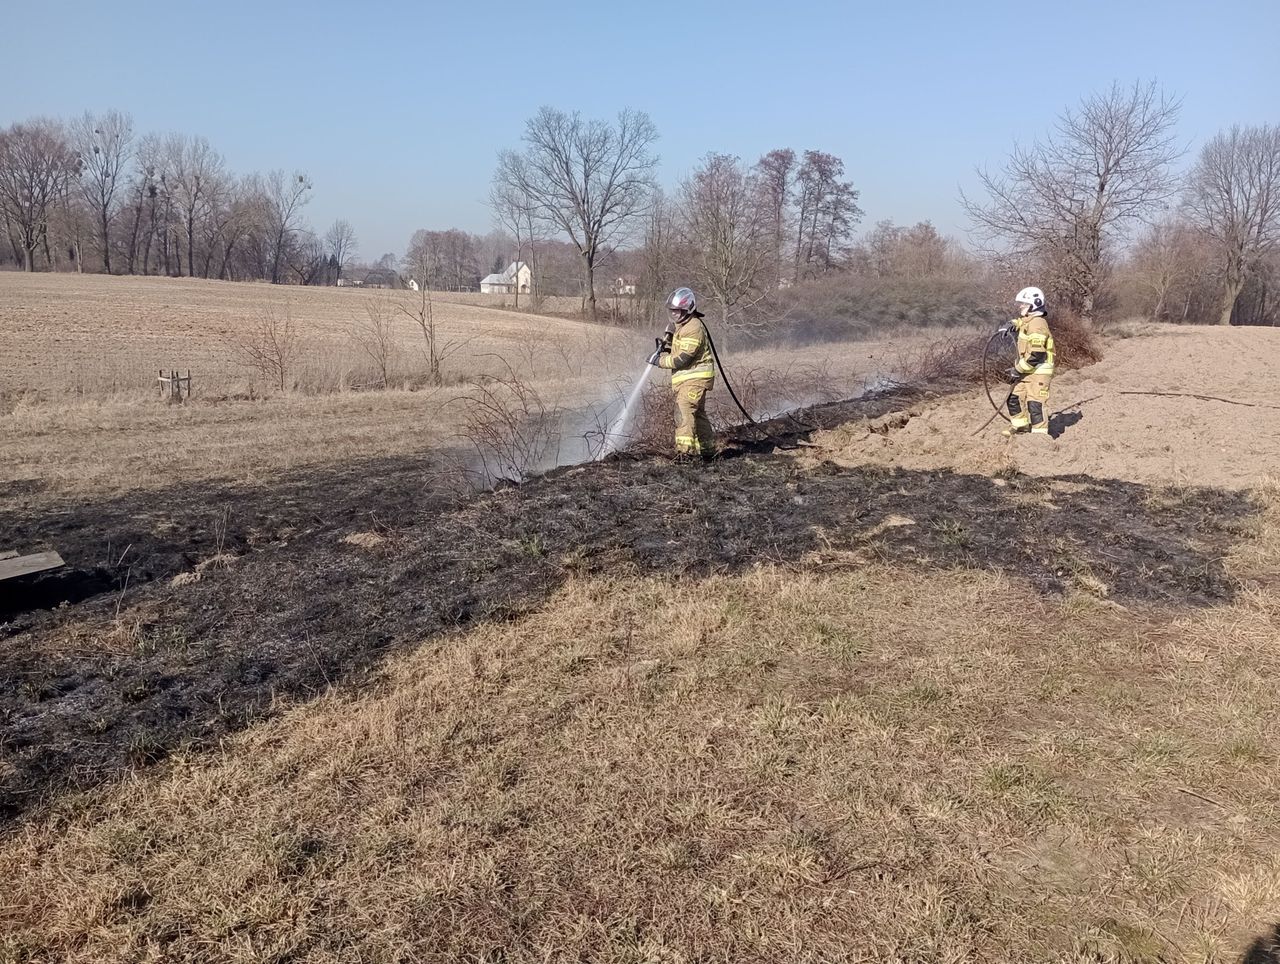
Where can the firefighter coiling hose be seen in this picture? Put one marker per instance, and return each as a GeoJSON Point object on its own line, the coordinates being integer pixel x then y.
{"type": "Point", "coordinates": [1031, 374]}
{"type": "Point", "coordinates": [688, 352]}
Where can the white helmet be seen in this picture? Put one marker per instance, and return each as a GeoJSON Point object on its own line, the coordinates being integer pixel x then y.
{"type": "Point", "coordinates": [1032, 297]}
{"type": "Point", "coordinates": [683, 300]}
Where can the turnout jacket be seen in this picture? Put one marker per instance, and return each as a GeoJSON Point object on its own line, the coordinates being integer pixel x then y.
{"type": "Point", "coordinates": [690, 356]}
{"type": "Point", "coordinates": [1035, 345]}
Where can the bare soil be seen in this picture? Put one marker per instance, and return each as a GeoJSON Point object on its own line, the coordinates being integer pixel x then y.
{"type": "Point", "coordinates": [1227, 438]}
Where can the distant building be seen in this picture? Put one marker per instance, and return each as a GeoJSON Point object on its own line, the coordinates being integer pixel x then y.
{"type": "Point", "coordinates": [625, 286]}
{"type": "Point", "coordinates": [517, 278]}
{"type": "Point", "coordinates": [380, 278]}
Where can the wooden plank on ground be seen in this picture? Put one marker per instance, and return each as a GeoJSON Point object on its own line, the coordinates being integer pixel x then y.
{"type": "Point", "coordinates": [29, 565]}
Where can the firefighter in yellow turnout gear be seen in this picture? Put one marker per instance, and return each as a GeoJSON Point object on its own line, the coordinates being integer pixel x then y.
{"type": "Point", "coordinates": [1032, 373]}
{"type": "Point", "coordinates": [688, 357]}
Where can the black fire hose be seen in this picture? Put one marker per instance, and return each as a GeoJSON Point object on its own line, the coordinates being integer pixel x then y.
{"type": "Point", "coordinates": [1000, 410]}
{"type": "Point", "coordinates": [725, 375]}
{"type": "Point", "coordinates": [732, 394]}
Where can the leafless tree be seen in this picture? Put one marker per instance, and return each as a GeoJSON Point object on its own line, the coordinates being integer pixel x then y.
{"type": "Point", "coordinates": [340, 241]}
{"type": "Point", "coordinates": [728, 233]}
{"type": "Point", "coordinates": [71, 225]}
{"type": "Point", "coordinates": [828, 213]}
{"type": "Point", "coordinates": [36, 165]}
{"type": "Point", "coordinates": [422, 313]}
{"type": "Point", "coordinates": [775, 180]}
{"type": "Point", "coordinates": [105, 145]}
{"type": "Point", "coordinates": [271, 347]}
{"type": "Point", "coordinates": [193, 174]}
{"type": "Point", "coordinates": [660, 255]}
{"type": "Point", "coordinates": [448, 258]}
{"type": "Point", "coordinates": [306, 258]}
{"type": "Point", "coordinates": [587, 178]}
{"type": "Point", "coordinates": [1233, 194]}
{"type": "Point", "coordinates": [285, 197]}
{"type": "Point", "coordinates": [1163, 259]}
{"type": "Point", "coordinates": [241, 220]}
{"type": "Point", "coordinates": [891, 251]}
{"type": "Point", "coordinates": [375, 337]}
{"type": "Point", "coordinates": [514, 211]}
{"type": "Point", "coordinates": [1065, 201]}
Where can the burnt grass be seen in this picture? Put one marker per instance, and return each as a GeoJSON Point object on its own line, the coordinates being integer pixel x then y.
{"type": "Point", "coordinates": [132, 665]}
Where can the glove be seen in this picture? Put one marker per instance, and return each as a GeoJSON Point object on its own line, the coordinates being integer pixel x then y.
{"type": "Point", "coordinates": [656, 356]}
{"type": "Point", "coordinates": [1012, 376]}
{"type": "Point", "coordinates": [1005, 330]}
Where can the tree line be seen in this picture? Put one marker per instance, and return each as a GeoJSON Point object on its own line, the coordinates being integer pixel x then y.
{"type": "Point", "coordinates": [93, 194]}
{"type": "Point", "coordinates": [741, 232]}
{"type": "Point", "coordinates": [1100, 210]}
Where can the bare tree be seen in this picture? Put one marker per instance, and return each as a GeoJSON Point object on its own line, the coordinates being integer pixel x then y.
{"type": "Point", "coordinates": [340, 241]}
{"type": "Point", "coordinates": [422, 313]}
{"type": "Point", "coordinates": [193, 174]}
{"type": "Point", "coordinates": [727, 231]}
{"type": "Point", "coordinates": [659, 255]}
{"type": "Point", "coordinates": [143, 189]}
{"type": "Point", "coordinates": [1161, 260]}
{"type": "Point", "coordinates": [105, 145]}
{"type": "Point", "coordinates": [828, 212]}
{"type": "Point", "coordinates": [1233, 194]}
{"type": "Point", "coordinates": [285, 197]}
{"type": "Point", "coordinates": [1064, 201]}
{"type": "Point", "coordinates": [775, 179]}
{"type": "Point", "coordinates": [587, 178]}
{"type": "Point", "coordinates": [271, 347]}
{"type": "Point", "coordinates": [306, 258]}
{"type": "Point", "coordinates": [36, 165]}
{"type": "Point", "coordinates": [375, 336]}
{"type": "Point", "coordinates": [513, 210]}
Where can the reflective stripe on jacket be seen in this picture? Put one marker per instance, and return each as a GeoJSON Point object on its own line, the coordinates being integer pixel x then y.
{"type": "Point", "coordinates": [1035, 345]}
{"type": "Point", "coordinates": [690, 355]}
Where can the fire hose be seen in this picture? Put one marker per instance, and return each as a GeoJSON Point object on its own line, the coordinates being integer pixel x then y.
{"type": "Point", "coordinates": [1000, 410]}
{"type": "Point", "coordinates": [664, 344]}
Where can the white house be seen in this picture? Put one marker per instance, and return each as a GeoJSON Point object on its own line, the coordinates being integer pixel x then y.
{"type": "Point", "coordinates": [517, 277]}
{"type": "Point", "coordinates": [624, 286]}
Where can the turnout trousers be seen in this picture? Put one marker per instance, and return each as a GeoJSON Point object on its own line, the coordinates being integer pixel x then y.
{"type": "Point", "coordinates": [694, 435]}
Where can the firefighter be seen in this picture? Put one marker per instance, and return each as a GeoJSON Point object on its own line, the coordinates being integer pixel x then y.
{"type": "Point", "coordinates": [686, 352]}
{"type": "Point", "coordinates": [1033, 371]}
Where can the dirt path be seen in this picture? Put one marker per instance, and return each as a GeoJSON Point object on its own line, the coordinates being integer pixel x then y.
{"type": "Point", "coordinates": [1104, 434]}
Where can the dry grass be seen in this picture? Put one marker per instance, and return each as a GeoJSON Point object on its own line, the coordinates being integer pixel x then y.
{"type": "Point", "coordinates": [809, 765]}
{"type": "Point", "coordinates": [94, 336]}
{"type": "Point", "coordinates": [79, 409]}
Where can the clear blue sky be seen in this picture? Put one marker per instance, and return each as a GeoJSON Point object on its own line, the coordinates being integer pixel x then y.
{"type": "Point", "coordinates": [397, 109]}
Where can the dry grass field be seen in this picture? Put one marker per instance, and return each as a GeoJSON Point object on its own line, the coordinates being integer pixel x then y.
{"type": "Point", "coordinates": [79, 407]}
{"type": "Point", "coordinates": [877, 689]}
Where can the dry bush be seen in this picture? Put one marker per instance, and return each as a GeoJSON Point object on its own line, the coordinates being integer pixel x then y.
{"type": "Point", "coordinates": [846, 306]}
{"type": "Point", "coordinates": [513, 431]}
{"type": "Point", "coordinates": [375, 337]}
{"type": "Point", "coordinates": [271, 347]}
{"type": "Point", "coordinates": [957, 359]}
{"type": "Point", "coordinates": [1075, 341]}
{"type": "Point", "coordinates": [948, 360]}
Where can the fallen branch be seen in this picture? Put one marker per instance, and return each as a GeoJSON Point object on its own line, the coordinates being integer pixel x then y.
{"type": "Point", "coordinates": [1203, 398]}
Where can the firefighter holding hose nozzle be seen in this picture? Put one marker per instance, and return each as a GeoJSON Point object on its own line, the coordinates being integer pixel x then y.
{"type": "Point", "coordinates": [686, 352]}
{"type": "Point", "coordinates": [1033, 371]}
